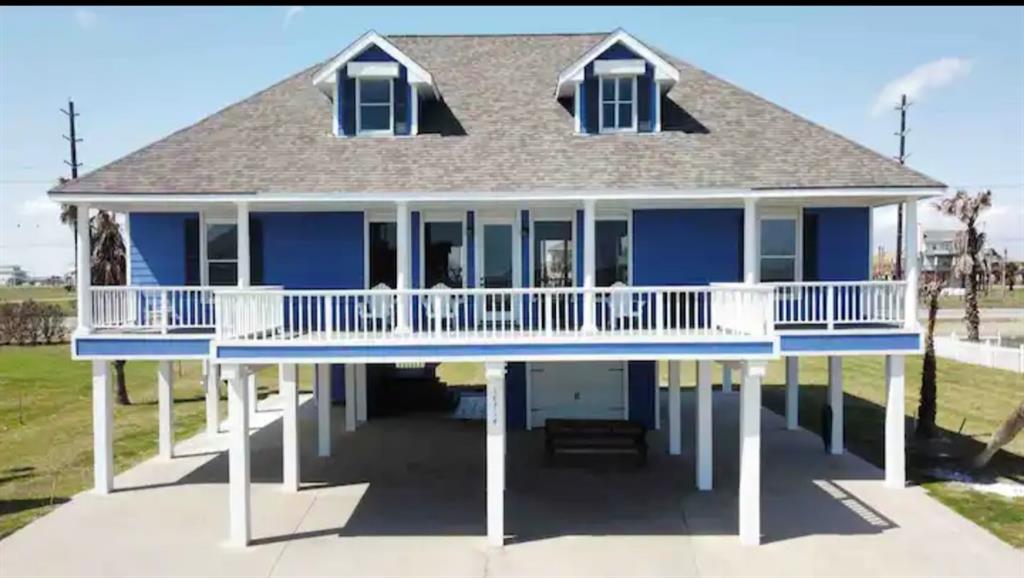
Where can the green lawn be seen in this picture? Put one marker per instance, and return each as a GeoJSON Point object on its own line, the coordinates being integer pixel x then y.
{"type": "Point", "coordinates": [58, 295]}
{"type": "Point", "coordinates": [46, 424]}
{"type": "Point", "coordinates": [996, 297]}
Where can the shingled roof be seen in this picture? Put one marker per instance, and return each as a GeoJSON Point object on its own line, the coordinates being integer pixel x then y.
{"type": "Point", "coordinates": [499, 129]}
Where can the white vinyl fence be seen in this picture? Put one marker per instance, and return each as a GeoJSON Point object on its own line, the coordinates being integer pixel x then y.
{"type": "Point", "coordinates": [987, 353]}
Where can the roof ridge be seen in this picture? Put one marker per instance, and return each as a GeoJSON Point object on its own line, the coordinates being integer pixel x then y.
{"type": "Point", "coordinates": [496, 35]}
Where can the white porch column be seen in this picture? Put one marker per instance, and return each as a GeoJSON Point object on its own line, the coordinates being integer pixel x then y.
{"type": "Point", "coordinates": [351, 399]}
{"type": "Point", "coordinates": [290, 426]}
{"type": "Point", "coordinates": [750, 266]}
{"type": "Point", "coordinates": [495, 372]}
{"type": "Point", "coordinates": [239, 506]}
{"type": "Point", "coordinates": [895, 456]}
{"type": "Point", "coordinates": [254, 397]}
{"type": "Point", "coordinates": [792, 393]}
{"type": "Point", "coordinates": [323, 409]}
{"type": "Point", "coordinates": [165, 409]}
{"type": "Point", "coordinates": [211, 377]}
{"type": "Point", "coordinates": [102, 428]}
{"type": "Point", "coordinates": [750, 454]}
{"type": "Point", "coordinates": [361, 392]}
{"type": "Point", "coordinates": [243, 244]}
{"type": "Point", "coordinates": [835, 401]}
{"type": "Point", "coordinates": [726, 378]}
{"type": "Point", "coordinates": [704, 430]}
{"type": "Point", "coordinates": [589, 265]}
{"type": "Point", "coordinates": [910, 269]}
{"type": "Point", "coordinates": [403, 276]}
{"type": "Point", "coordinates": [83, 269]}
{"type": "Point", "coordinates": [675, 440]}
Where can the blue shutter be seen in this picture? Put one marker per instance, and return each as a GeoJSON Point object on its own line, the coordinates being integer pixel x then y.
{"type": "Point", "coordinates": [348, 103]}
{"type": "Point", "coordinates": [590, 101]}
{"type": "Point", "coordinates": [644, 102]}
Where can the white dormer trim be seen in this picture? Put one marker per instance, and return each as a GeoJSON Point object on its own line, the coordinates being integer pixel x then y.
{"type": "Point", "coordinates": [372, 70]}
{"type": "Point", "coordinates": [416, 74]}
{"type": "Point", "coordinates": [630, 67]}
{"type": "Point", "coordinates": [663, 70]}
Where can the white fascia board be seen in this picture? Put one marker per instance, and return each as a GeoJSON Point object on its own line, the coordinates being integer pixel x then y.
{"type": "Point", "coordinates": [626, 66]}
{"type": "Point", "coordinates": [372, 70]}
{"type": "Point", "coordinates": [416, 73]}
{"type": "Point", "coordinates": [663, 70]}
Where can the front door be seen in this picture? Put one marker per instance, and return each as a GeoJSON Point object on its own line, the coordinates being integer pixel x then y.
{"type": "Point", "coordinates": [496, 248]}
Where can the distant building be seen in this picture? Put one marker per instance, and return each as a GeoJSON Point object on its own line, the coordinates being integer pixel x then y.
{"type": "Point", "coordinates": [883, 266]}
{"type": "Point", "coordinates": [12, 275]}
{"type": "Point", "coordinates": [939, 248]}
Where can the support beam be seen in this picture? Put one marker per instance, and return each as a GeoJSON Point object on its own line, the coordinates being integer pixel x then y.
{"type": "Point", "coordinates": [704, 428]}
{"type": "Point", "coordinates": [102, 428]}
{"type": "Point", "coordinates": [351, 398]}
{"type": "Point", "coordinates": [211, 377]}
{"type": "Point", "coordinates": [495, 373]}
{"type": "Point", "coordinates": [895, 436]}
{"type": "Point", "coordinates": [750, 265]}
{"type": "Point", "coordinates": [289, 385]}
{"type": "Point", "coordinates": [361, 392]}
{"type": "Point", "coordinates": [403, 270]}
{"type": "Point", "coordinates": [792, 393]}
{"type": "Point", "coordinates": [911, 266]}
{"type": "Point", "coordinates": [726, 378]}
{"type": "Point", "coordinates": [835, 401]}
{"type": "Point", "coordinates": [239, 505]}
{"type": "Point", "coordinates": [165, 409]}
{"type": "Point", "coordinates": [323, 409]}
{"type": "Point", "coordinates": [242, 216]}
{"type": "Point", "coordinates": [750, 454]}
{"type": "Point", "coordinates": [675, 441]}
{"type": "Point", "coordinates": [589, 262]}
{"type": "Point", "coordinates": [83, 269]}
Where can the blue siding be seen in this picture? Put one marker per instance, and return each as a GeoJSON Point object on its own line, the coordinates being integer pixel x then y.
{"type": "Point", "coordinates": [515, 396]}
{"type": "Point", "coordinates": [158, 248]}
{"type": "Point", "coordinates": [617, 51]}
{"type": "Point", "coordinates": [910, 342]}
{"type": "Point", "coordinates": [143, 347]}
{"type": "Point", "coordinates": [313, 250]}
{"type": "Point", "coordinates": [579, 248]}
{"type": "Point", "coordinates": [643, 376]}
{"type": "Point", "coordinates": [843, 251]}
{"type": "Point", "coordinates": [687, 246]}
{"type": "Point", "coordinates": [373, 54]}
{"type": "Point", "coordinates": [414, 231]}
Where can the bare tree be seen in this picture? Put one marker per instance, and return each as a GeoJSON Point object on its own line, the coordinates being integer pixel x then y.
{"type": "Point", "coordinates": [926, 407]}
{"type": "Point", "coordinates": [969, 244]}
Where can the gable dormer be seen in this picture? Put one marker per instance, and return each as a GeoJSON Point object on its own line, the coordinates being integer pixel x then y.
{"type": "Point", "coordinates": [375, 89]}
{"type": "Point", "coordinates": [617, 86]}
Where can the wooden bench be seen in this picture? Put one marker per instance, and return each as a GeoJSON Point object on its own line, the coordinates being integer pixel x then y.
{"type": "Point", "coordinates": [595, 436]}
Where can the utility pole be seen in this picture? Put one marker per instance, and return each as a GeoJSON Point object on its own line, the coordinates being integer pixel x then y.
{"type": "Point", "coordinates": [898, 269]}
{"type": "Point", "coordinates": [74, 164]}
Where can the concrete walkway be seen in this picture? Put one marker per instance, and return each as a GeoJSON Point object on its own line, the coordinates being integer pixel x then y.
{"type": "Point", "coordinates": [405, 496]}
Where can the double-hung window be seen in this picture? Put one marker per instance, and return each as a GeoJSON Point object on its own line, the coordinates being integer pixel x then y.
{"type": "Point", "coordinates": [222, 253]}
{"type": "Point", "coordinates": [618, 104]}
{"type": "Point", "coordinates": [611, 252]}
{"type": "Point", "coordinates": [375, 106]}
{"type": "Point", "coordinates": [778, 249]}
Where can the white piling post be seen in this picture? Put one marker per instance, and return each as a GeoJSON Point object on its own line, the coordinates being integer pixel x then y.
{"type": "Point", "coordinates": [674, 433]}
{"type": "Point", "coordinates": [750, 455]}
{"type": "Point", "coordinates": [290, 427]}
{"type": "Point", "coordinates": [238, 458]}
{"type": "Point", "coordinates": [165, 409]}
{"type": "Point", "coordinates": [792, 393]}
{"type": "Point", "coordinates": [323, 409]}
{"type": "Point", "coordinates": [102, 428]}
{"type": "Point", "coordinates": [895, 456]}
{"type": "Point", "coordinates": [495, 373]}
{"type": "Point", "coordinates": [704, 426]}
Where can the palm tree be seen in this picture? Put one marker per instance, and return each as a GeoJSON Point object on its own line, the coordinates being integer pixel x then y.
{"type": "Point", "coordinates": [108, 267]}
{"type": "Point", "coordinates": [969, 244]}
{"type": "Point", "coordinates": [69, 217]}
{"type": "Point", "coordinates": [927, 404]}
{"type": "Point", "coordinates": [1011, 273]}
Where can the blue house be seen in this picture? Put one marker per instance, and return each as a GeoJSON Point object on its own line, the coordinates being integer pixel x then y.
{"type": "Point", "coordinates": [567, 209]}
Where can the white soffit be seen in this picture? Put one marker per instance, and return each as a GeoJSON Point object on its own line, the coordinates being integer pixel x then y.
{"type": "Point", "coordinates": [372, 70]}
{"type": "Point", "coordinates": [608, 67]}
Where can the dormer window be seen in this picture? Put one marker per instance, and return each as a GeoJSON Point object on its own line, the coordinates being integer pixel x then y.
{"type": "Point", "coordinates": [618, 104]}
{"type": "Point", "coordinates": [375, 106]}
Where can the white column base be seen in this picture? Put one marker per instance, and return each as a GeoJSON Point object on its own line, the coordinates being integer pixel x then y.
{"type": "Point", "coordinates": [323, 409]}
{"type": "Point", "coordinates": [750, 455]}
{"type": "Point", "coordinates": [102, 428]}
{"type": "Point", "coordinates": [165, 409]}
{"type": "Point", "coordinates": [792, 393]}
{"type": "Point", "coordinates": [704, 427]}
{"type": "Point", "coordinates": [290, 427]}
{"type": "Point", "coordinates": [212, 377]}
{"type": "Point", "coordinates": [835, 401]}
{"type": "Point", "coordinates": [895, 436]}
{"type": "Point", "coordinates": [495, 373]}
{"type": "Point", "coordinates": [238, 459]}
{"type": "Point", "coordinates": [675, 438]}
{"type": "Point", "coordinates": [351, 399]}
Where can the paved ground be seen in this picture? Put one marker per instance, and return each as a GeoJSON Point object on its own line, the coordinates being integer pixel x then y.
{"type": "Point", "coordinates": [405, 496]}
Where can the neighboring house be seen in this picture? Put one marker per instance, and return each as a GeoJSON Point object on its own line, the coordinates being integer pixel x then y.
{"type": "Point", "coordinates": [937, 254]}
{"type": "Point", "coordinates": [568, 209]}
{"type": "Point", "coordinates": [12, 275]}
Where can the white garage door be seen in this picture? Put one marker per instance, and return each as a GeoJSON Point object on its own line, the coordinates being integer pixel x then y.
{"type": "Point", "coordinates": [577, 389]}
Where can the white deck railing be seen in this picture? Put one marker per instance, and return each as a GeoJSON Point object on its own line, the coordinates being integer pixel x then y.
{"type": "Point", "coordinates": [152, 308]}
{"type": "Point", "coordinates": [490, 315]}
{"type": "Point", "coordinates": [840, 303]}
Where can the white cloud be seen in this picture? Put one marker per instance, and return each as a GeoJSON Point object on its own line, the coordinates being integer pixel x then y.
{"type": "Point", "coordinates": [917, 82]}
{"type": "Point", "coordinates": [290, 14]}
{"type": "Point", "coordinates": [86, 19]}
{"type": "Point", "coordinates": [39, 207]}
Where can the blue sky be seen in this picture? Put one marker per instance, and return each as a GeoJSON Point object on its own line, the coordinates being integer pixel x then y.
{"type": "Point", "coordinates": [138, 74]}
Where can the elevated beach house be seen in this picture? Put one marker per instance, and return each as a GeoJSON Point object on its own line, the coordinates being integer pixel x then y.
{"type": "Point", "coordinates": [568, 209]}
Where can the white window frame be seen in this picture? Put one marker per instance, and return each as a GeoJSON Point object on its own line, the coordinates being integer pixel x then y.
{"type": "Point", "coordinates": [390, 105]}
{"type": "Point", "coordinates": [626, 216]}
{"type": "Point", "coordinates": [601, 102]}
{"type": "Point", "coordinates": [204, 251]}
{"type": "Point", "coordinates": [544, 216]}
{"type": "Point", "coordinates": [795, 215]}
{"type": "Point", "coordinates": [441, 217]}
{"type": "Point", "coordinates": [482, 218]}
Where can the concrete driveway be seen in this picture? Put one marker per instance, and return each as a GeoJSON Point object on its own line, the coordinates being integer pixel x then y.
{"type": "Point", "coordinates": [405, 496]}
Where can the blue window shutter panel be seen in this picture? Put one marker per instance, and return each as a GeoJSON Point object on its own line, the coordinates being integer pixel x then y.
{"type": "Point", "coordinates": [643, 387]}
{"type": "Point", "coordinates": [414, 233]}
{"type": "Point", "coordinates": [579, 248]}
{"type": "Point", "coordinates": [402, 110]}
{"type": "Point", "coordinates": [591, 95]}
{"type": "Point", "coordinates": [192, 262]}
{"type": "Point", "coordinates": [658, 234]}
{"type": "Point", "coordinates": [312, 250]}
{"type": "Point", "coordinates": [644, 102]}
{"type": "Point", "coordinates": [840, 243]}
{"type": "Point", "coordinates": [348, 102]}
{"type": "Point", "coordinates": [470, 249]}
{"type": "Point", "coordinates": [256, 255]}
{"type": "Point", "coordinates": [525, 244]}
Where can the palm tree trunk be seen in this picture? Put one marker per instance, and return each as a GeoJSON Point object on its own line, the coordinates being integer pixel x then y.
{"type": "Point", "coordinates": [972, 316]}
{"type": "Point", "coordinates": [1004, 435]}
{"type": "Point", "coordinates": [926, 407]}
{"type": "Point", "coordinates": [122, 390]}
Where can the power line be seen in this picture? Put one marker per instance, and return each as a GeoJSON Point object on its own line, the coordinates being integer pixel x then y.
{"type": "Point", "coordinates": [74, 164]}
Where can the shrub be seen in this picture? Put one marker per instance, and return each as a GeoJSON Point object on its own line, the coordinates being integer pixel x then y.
{"type": "Point", "coordinates": [31, 323]}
